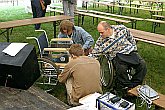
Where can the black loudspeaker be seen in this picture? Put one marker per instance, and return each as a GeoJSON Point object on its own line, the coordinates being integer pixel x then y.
{"type": "Point", "coordinates": [20, 71]}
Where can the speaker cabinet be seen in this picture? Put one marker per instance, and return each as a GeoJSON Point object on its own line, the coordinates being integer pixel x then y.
{"type": "Point", "coordinates": [20, 71]}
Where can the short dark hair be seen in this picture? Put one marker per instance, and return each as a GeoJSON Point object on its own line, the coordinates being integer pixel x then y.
{"type": "Point", "coordinates": [66, 25]}
{"type": "Point", "coordinates": [76, 49]}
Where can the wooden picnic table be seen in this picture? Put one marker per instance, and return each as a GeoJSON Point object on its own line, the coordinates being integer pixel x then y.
{"type": "Point", "coordinates": [24, 22]}
{"type": "Point", "coordinates": [32, 99]}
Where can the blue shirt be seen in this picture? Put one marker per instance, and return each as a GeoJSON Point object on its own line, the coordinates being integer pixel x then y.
{"type": "Point", "coordinates": [79, 36]}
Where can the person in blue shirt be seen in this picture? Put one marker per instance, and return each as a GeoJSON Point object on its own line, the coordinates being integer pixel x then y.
{"type": "Point", "coordinates": [78, 35]}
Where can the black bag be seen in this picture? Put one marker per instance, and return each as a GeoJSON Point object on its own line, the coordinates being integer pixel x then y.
{"type": "Point", "coordinates": [132, 58]}
{"type": "Point", "coordinates": [47, 2]}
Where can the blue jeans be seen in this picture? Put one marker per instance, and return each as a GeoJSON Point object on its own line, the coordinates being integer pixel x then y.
{"type": "Point", "coordinates": [37, 11]}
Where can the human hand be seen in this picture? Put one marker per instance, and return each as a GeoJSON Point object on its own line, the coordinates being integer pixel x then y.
{"type": "Point", "coordinates": [87, 51]}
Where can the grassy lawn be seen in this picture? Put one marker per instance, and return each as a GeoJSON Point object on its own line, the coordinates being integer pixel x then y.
{"type": "Point", "coordinates": [153, 55]}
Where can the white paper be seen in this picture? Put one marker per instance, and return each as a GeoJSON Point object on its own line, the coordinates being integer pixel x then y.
{"type": "Point", "coordinates": [89, 102]}
{"type": "Point", "coordinates": [83, 107]}
{"type": "Point", "coordinates": [90, 99]}
{"type": "Point", "coordinates": [14, 48]}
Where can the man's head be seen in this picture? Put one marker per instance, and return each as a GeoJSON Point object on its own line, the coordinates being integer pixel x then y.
{"type": "Point", "coordinates": [76, 50]}
{"type": "Point", "coordinates": [104, 29]}
{"type": "Point", "coordinates": [66, 27]}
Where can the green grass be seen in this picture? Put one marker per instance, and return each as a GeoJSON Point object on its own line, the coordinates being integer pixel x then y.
{"type": "Point", "coordinates": [153, 55]}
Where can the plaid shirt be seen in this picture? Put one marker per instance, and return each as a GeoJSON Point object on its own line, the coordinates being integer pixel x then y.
{"type": "Point", "coordinates": [122, 42]}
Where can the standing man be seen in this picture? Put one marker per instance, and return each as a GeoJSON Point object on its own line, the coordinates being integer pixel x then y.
{"type": "Point", "coordinates": [121, 47]}
{"type": "Point", "coordinates": [39, 9]}
{"type": "Point", "coordinates": [78, 35]}
{"type": "Point", "coordinates": [69, 5]}
{"type": "Point", "coordinates": [81, 75]}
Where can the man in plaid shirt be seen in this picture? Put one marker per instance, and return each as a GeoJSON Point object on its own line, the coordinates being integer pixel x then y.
{"type": "Point", "coordinates": [121, 47]}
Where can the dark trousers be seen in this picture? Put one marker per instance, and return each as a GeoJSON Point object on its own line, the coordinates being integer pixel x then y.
{"type": "Point", "coordinates": [122, 67]}
{"type": "Point", "coordinates": [37, 11]}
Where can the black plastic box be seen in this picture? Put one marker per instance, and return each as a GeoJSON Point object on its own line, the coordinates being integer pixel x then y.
{"type": "Point", "coordinates": [20, 71]}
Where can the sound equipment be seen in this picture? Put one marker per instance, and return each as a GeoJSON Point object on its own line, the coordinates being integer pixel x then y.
{"type": "Point", "coordinates": [113, 102]}
{"type": "Point", "coordinates": [19, 71]}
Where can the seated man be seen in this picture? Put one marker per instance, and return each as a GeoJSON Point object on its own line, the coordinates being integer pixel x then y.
{"type": "Point", "coordinates": [81, 75]}
{"type": "Point", "coordinates": [121, 47]}
{"type": "Point", "coordinates": [78, 35]}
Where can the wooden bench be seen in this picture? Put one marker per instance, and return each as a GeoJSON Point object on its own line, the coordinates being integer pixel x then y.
{"type": "Point", "coordinates": [9, 25]}
{"type": "Point", "coordinates": [55, 42]}
{"type": "Point", "coordinates": [108, 4]}
{"type": "Point", "coordinates": [118, 21]}
{"type": "Point", "coordinates": [132, 19]}
{"type": "Point", "coordinates": [55, 7]}
{"type": "Point", "coordinates": [159, 17]}
{"type": "Point", "coordinates": [137, 4]}
{"type": "Point", "coordinates": [152, 11]}
{"type": "Point", "coordinates": [159, 103]}
{"type": "Point", "coordinates": [112, 5]}
{"type": "Point", "coordinates": [155, 23]}
{"type": "Point", "coordinates": [60, 39]}
{"type": "Point", "coordinates": [158, 2]}
{"type": "Point", "coordinates": [56, 49]}
{"type": "Point", "coordinates": [121, 7]}
{"type": "Point", "coordinates": [56, 11]}
{"type": "Point", "coordinates": [155, 11]}
{"type": "Point", "coordinates": [148, 37]}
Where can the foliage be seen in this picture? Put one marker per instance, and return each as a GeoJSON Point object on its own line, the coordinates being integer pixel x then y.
{"type": "Point", "coordinates": [153, 55]}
